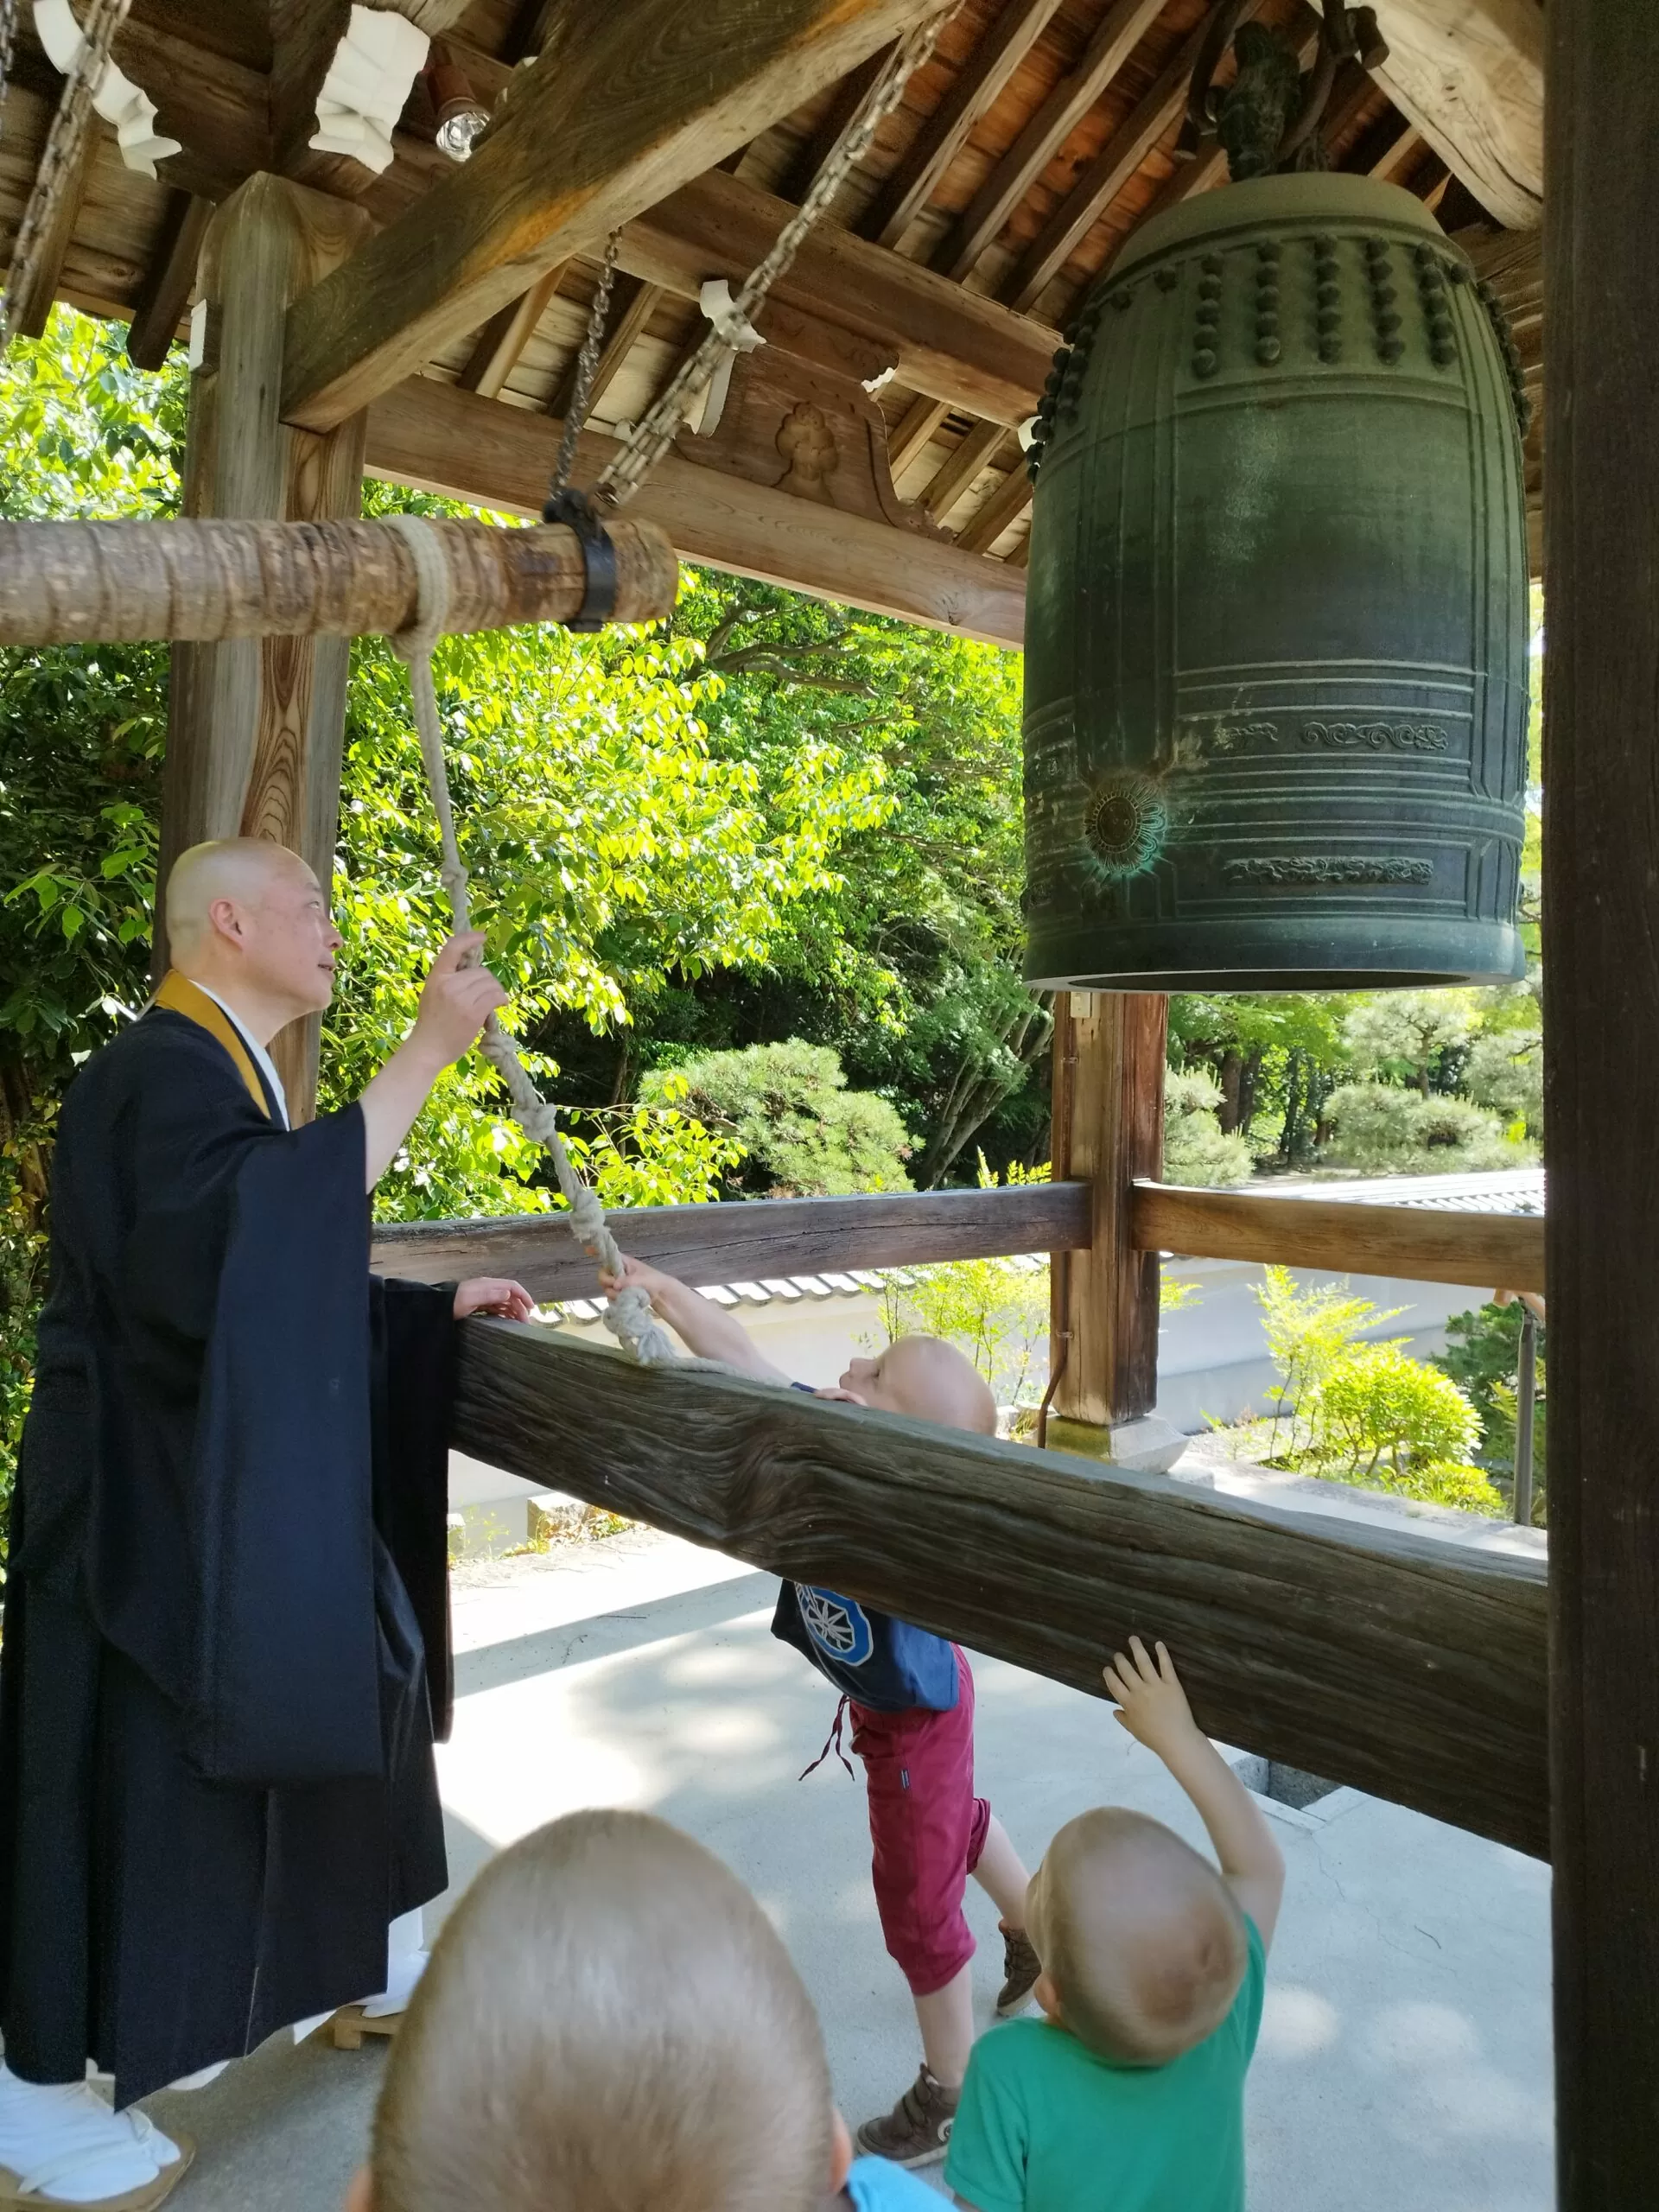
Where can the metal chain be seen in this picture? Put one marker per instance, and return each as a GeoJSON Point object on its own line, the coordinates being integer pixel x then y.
{"type": "Point", "coordinates": [659, 426]}
{"type": "Point", "coordinates": [587, 363]}
{"type": "Point", "coordinates": [62, 151]}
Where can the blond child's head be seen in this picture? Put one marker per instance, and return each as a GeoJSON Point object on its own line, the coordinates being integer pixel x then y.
{"type": "Point", "coordinates": [608, 2024]}
{"type": "Point", "coordinates": [1143, 1945]}
{"type": "Point", "coordinates": [928, 1379]}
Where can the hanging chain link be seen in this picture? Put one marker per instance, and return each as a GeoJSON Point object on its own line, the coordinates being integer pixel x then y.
{"type": "Point", "coordinates": [587, 363]}
{"type": "Point", "coordinates": [659, 426]}
{"type": "Point", "coordinates": [63, 144]}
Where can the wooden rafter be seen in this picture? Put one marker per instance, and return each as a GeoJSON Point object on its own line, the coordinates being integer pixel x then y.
{"type": "Point", "coordinates": [496, 349]}
{"type": "Point", "coordinates": [952, 344]}
{"type": "Point", "coordinates": [1151, 118]}
{"type": "Point", "coordinates": [1118, 35]}
{"type": "Point", "coordinates": [169, 280]}
{"type": "Point", "coordinates": [839, 110]}
{"type": "Point", "coordinates": [607, 119]}
{"type": "Point", "coordinates": [999, 512]}
{"type": "Point", "coordinates": [913, 430]}
{"type": "Point", "coordinates": [975, 88]}
{"type": "Point", "coordinates": [629, 312]}
{"type": "Point", "coordinates": [974, 451]}
{"type": "Point", "coordinates": [1406, 1664]}
{"type": "Point", "coordinates": [1397, 156]}
{"type": "Point", "coordinates": [438, 439]}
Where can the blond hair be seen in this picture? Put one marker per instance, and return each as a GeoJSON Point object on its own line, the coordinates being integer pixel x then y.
{"type": "Point", "coordinates": [1143, 1942]}
{"type": "Point", "coordinates": [608, 2024]}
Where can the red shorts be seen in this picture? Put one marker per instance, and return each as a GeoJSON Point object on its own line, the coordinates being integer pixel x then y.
{"type": "Point", "coordinates": [927, 1830]}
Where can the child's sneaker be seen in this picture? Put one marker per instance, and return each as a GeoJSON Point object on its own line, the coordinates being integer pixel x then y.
{"type": "Point", "coordinates": [918, 2129]}
{"type": "Point", "coordinates": [1020, 1968]}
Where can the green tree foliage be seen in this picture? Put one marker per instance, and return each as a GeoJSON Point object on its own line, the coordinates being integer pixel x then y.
{"type": "Point", "coordinates": [1381, 1128]}
{"type": "Point", "coordinates": [1364, 1413]}
{"type": "Point", "coordinates": [1195, 1151]}
{"type": "Point", "coordinates": [800, 1131]}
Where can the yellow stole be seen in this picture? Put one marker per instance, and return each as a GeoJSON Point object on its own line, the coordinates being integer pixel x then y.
{"type": "Point", "coordinates": [180, 995]}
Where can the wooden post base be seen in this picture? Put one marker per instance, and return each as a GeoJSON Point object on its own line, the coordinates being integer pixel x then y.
{"type": "Point", "coordinates": [346, 2027]}
{"type": "Point", "coordinates": [1144, 1443]}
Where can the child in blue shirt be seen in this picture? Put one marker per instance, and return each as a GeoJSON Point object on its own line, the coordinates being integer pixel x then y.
{"type": "Point", "coordinates": [911, 1699]}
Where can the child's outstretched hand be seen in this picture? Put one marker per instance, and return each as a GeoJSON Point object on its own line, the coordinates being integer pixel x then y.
{"type": "Point", "coordinates": [1152, 1705]}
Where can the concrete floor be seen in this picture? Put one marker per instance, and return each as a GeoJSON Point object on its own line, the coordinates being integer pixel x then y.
{"type": "Point", "coordinates": [1404, 2062]}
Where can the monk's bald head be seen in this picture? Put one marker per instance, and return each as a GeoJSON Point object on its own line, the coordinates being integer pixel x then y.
{"type": "Point", "coordinates": [240, 869]}
{"type": "Point", "coordinates": [247, 918]}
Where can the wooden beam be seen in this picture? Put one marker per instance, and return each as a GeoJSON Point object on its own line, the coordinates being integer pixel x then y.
{"type": "Point", "coordinates": [951, 344]}
{"type": "Point", "coordinates": [165, 299]}
{"type": "Point", "coordinates": [1391, 164]}
{"type": "Point", "coordinates": [746, 1238]}
{"type": "Point", "coordinates": [1404, 1665]}
{"type": "Point", "coordinates": [305, 35]}
{"type": "Point", "coordinates": [1109, 1050]}
{"type": "Point", "coordinates": [528, 32]}
{"type": "Point", "coordinates": [999, 512]}
{"type": "Point", "coordinates": [974, 451]}
{"type": "Point", "coordinates": [913, 430]}
{"type": "Point", "coordinates": [1500, 1251]}
{"type": "Point", "coordinates": [256, 725]}
{"type": "Point", "coordinates": [439, 439]}
{"type": "Point", "coordinates": [973, 90]}
{"type": "Point", "coordinates": [1601, 1063]}
{"type": "Point", "coordinates": [623, 105]}
{"type": "Point", "coordinates": [505, 336]}
{"type": "Point", "coordinates": [32, 303]}
{"type": "Point", "coordinates": [628, 316]}
{"type": "Point", "coordinates": [1120, 31]}
{"type": "Point", "coordinates": [1470, 74]}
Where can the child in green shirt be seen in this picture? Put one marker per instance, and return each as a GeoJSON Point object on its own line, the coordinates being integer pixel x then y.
{"type": "Point", "coordinates": [1129, 2095]}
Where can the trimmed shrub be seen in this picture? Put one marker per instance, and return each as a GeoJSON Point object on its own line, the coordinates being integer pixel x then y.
{"type": "Point", "coordinates": [1381, 1127]}
{"type": "Point", "coordinates": [803, 1134]}
{"type": "Point", "coordinates": [1195, 1151]}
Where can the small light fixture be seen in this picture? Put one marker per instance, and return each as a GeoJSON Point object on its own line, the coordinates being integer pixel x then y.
{"type": "Point", "coordinates": [461, 117]}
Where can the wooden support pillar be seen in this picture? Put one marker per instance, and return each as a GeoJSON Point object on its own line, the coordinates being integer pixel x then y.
{"type": "Point", "coordinates": [1601, 1029]}
{"type": "Point", "coordinates": [1108, 1130]}
{"type": "Point", "coordinates": [256, 726]}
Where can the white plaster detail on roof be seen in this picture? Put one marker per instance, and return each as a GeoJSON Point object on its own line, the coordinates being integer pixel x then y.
{"type": "Point", "coordinates": [368, 81]}
{"type": "Point", "coordinates": [118, 99]}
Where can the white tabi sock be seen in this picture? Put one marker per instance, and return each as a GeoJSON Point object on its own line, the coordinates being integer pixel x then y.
{"type": "Point", "coordinates": [62, 2141]}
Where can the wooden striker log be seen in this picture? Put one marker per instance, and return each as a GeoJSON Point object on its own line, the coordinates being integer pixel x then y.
{"type": "Point", "coordinates": [67, 582]}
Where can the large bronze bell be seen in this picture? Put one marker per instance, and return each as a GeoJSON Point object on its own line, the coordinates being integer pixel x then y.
{"type": "Point", "coordinates": [1277, 612]}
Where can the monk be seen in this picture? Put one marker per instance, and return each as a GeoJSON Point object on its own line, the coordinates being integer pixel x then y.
{"type": "Point", "coordinates": [226, 1654]}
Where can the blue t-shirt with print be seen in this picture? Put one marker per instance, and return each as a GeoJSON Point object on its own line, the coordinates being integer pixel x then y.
{"type": "Point", "coordinates": [877, 2185]}
{"type": "Point", "coordinates": [870, 1657]}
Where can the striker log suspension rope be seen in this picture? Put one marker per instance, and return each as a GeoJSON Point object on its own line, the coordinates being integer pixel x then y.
{"type": "Point", "coordinates": [628, 1314]}
{"type": "Point", "coordinates": [63, 144]}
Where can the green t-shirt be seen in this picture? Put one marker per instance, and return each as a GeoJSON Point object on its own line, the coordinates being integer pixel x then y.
{"type": "Point", "coordinates": [1044, 2125]}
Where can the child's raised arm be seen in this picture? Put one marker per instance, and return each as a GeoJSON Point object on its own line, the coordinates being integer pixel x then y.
{"type": "Point", "coordinates": [1153, 1706]}
{"type": "Point", "coordinates": [707, 1331]}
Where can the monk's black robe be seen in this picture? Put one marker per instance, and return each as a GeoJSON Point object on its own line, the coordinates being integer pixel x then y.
{"type": "Point", "coordinates": [226, 1648]}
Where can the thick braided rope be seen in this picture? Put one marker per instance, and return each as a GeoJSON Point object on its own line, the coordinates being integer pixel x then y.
{"type": "Point", "coordinates": [627, 1315]}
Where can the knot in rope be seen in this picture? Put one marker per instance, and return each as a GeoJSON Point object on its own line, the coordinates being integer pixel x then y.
{"type": "Point", "coordinates": [627, 1315]}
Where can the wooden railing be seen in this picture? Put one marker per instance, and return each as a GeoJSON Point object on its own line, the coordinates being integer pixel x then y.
{"type": "Point", "coordinates": [757, 1237]}
{"type": "Point", "coordinates": [1401, 1662]}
